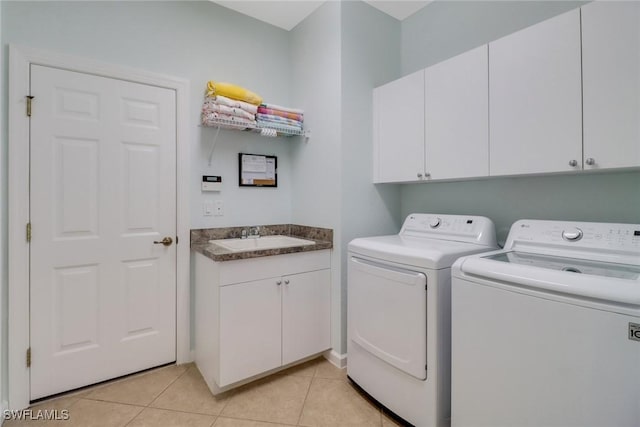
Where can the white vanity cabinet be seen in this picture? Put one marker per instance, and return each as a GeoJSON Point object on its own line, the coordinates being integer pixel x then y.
{"type": "Point", "coordinates": [398, 130]}
{"type": "Point", "coordinates": [256, 315]}
{"type": "Point", "coordinates": [535, 117]}
{"type": "Point", "coordinates": [611, 84]}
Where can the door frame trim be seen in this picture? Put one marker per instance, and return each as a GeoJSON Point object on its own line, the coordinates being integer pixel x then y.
{"type": "Point", "coordinates": [20, 59]}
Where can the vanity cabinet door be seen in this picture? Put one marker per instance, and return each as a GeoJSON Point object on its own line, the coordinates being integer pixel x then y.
{"type": "Point", "coordinates": [306, 309]}
{"type": "Point", "coordinates": [611, 84]}
{"type": "Point", "coordinates": [535, 100]}
{"type": "Point", "coordinates": [250, 329]}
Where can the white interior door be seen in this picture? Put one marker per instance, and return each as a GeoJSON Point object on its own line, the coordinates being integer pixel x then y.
{"type": "Point", "coordinates": [103, 174]}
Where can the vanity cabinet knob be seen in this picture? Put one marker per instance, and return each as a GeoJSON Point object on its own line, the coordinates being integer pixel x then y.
{"type": "Point", "coordinates": [590, 161]}
{"type": "Point", "coordinates": [573, 163]}
{"type": "Point", "coordinates": [286, 281]}
{"type": "Point", "coordinates": [419, 175]}
{"type": "Point", "coordinates": [278, 282]}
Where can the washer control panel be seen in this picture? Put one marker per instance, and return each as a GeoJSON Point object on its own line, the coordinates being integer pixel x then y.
{"type": "Point", "coordinates": [473, 229]}
{"type": "Point", "coordinates": [578, 234]}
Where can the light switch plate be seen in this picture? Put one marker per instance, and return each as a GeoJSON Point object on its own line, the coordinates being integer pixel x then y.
{"type": "Point", "coordinates": [218, 209]}
{"type": "Point", "coordinates": [207, 208]}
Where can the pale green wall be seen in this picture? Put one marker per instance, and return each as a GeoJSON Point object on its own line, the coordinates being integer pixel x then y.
{"type": "Point", "coordinates": [445, 29]}
{"type": "Point", "coordinates": [194, 40]}
{"type": "Point", "coordinates": [369, 58]}
{"type": "Point", "coordinates": [315, 86]}
{"type": "Point", "coordinates": [598, 197]}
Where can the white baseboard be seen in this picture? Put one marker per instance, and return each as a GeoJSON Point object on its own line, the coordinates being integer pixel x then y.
{"type": "Point", "coordinates": [336, 359]}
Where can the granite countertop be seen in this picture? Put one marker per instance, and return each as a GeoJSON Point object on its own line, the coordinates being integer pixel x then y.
{"type": "Point", "coordinates": [323, 238]}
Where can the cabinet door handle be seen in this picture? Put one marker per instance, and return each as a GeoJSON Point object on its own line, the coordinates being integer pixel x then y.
{"type": "Point", "coordinates": [573, 163]}
{"type": "Point", "coordinates": [286, 281]}
{"type": "Point", "coordinates": [419, 175]}
{"type": "Point", "coordinates": [278, 282]}
{"type": "Point", "coordinates": [590, 161]}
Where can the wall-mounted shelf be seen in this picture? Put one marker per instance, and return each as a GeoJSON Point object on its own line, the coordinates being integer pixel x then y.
{"type": "Point", "coordinates": [259, 128]}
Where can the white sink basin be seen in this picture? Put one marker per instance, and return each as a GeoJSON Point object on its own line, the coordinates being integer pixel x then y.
{"type": "Point", "coordinates": [260, 243]}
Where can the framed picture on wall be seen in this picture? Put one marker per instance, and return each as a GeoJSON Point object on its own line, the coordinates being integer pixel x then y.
{"type": "Point", "coordinates": [257, 170]}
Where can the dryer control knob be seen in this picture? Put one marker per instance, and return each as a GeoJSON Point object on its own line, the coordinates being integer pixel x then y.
{"type": "Point", "coordinates": [572, 235]}
{"type": "Point", "coordinates": [435, 222]}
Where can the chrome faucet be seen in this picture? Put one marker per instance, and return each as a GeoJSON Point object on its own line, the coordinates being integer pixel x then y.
{"type": "Point", "coordinates": [254, 232]}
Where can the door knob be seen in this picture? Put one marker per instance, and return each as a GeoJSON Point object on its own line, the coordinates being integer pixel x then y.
{"type": "Point", "coordinates": [167, 241]}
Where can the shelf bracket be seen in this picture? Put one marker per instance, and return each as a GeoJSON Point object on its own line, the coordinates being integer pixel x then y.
{"type": "Point", "coordinates": [213, 145]}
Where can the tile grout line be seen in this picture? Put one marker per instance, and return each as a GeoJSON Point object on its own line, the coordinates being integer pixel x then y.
{"type": "Point", "coordinates": [255, 421]}
{"type": "Point", "coordinates": [167, 387]}
{"type": "Point", "coordinates": [160, 394]}
{"type": "Point", "coordinates": [306, 396]}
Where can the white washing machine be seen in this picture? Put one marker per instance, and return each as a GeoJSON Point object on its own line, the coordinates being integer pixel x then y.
{"type": "Point", "coordinates": [399, 312]}
{"type": "Point", "coordinates": [547, 331]}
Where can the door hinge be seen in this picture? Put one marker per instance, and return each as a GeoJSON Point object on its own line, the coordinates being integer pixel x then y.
{"type": "Point", "coordinates": [29, 357]}
{"type": "Point", "coordinates": [28, 232]}
{"type": "Point", "coordinates": [29, 98]}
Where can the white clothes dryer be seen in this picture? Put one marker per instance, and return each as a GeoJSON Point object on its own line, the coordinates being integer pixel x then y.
{"type": "Point", "coordinates": [546, 332]}
{"type": "Point", "coordinates": [399, 312]}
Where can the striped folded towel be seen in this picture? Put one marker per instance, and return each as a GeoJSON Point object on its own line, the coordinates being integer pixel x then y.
{"type": "Point", "coordinates": [278, 119]}
{"type": "Point", "coordinates": [287, 109]}
{"type": "Point", "coordinates": [286, 114]}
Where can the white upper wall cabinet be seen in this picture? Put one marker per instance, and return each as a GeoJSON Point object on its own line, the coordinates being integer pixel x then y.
{"type": "Point", "coordinates": [398, 133]}
{"type": "Point", "coordinates": [535, 99]}
{"type": "Point", "coordinates": [611, 84]}
{"type": "Point", "coordinates": [457, 116]}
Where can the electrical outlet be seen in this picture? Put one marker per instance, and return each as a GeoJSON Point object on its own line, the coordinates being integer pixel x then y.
{"type": "Point", "coordinates": [219, 208]}
{"type": "Point", "coordinates": [207, 208]}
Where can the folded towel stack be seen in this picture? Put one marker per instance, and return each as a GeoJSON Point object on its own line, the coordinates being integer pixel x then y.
{"type": "Point", "coordinates": [275, 116]}
{"type": "Point", "coordinates": [228, 103]}
{"type": "Point", "coordinates": [220, 108]}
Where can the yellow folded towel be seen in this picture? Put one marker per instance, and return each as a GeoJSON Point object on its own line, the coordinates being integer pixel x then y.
{"type": "Point", "coordinates": [233, 91]}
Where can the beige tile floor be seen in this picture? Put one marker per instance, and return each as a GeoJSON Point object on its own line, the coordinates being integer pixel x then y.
{"type": "Point", "coordinates": [315, 393]}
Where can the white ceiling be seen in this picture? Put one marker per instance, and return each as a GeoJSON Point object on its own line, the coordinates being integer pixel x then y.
{"type": "Point", "coordinates": [287, 14]}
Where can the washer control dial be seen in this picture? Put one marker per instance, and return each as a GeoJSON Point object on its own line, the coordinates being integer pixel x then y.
{"type": "Point", "coordinates": [572, 234]}
{"type": "Point", "coordinates": [435, 222]}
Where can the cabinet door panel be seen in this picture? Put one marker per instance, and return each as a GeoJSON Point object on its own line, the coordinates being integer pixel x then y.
{"type": "Point", "coordinates": [399, 129]}
{"type": "Point", "coordinates": [611, 84]}
{"type": "Point", "coordinates": [250, 334]}
{"type": "Point", "coordinates": [306, 308]}
{"type": "Point", "coordinates": [535, 98]}
{"type": "Point", "coordinates": [457, 116]}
